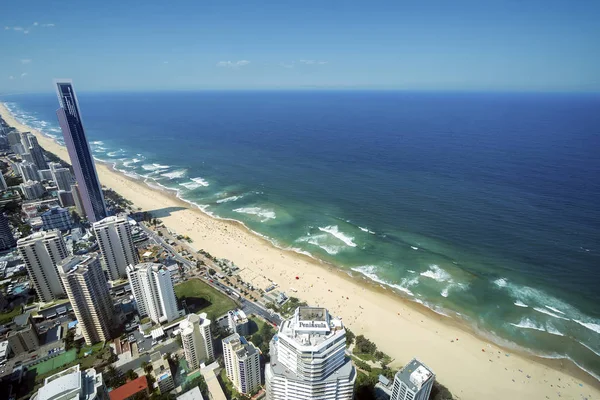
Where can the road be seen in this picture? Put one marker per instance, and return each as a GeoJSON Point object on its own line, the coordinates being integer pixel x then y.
{"type": "Point", "coordinates": [248, 306]}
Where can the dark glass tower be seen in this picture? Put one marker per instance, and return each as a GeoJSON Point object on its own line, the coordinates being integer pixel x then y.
{"type": "Point", "coordinates": [80, 152]}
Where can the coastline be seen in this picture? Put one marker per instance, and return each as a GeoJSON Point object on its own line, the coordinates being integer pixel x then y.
{"type": "Point", "coordinates": [365, 307]}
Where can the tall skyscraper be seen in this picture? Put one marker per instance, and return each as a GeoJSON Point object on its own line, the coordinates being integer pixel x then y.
{"type": "Point", "coordinates": [80, 152]}
{"type": "Point", "coordinates": [152, 289]}
{"type": "Point", "coordinates": [242, 363]}
{"type": "Point", "coordinates": [77, 200]}
{"type": "Point", "coordinates": [413, 382]}
{"type": "Point", "coordinates": [61, 177]}
{"type": "Point", "coordinates": [87, 290]}
{"type": "Point", "coordinates": [41, 252]}
{"type": "Point", "coordinates": [308, 359]}
{"type": "Point", "coordinates": [7, 240]}
{"type": "Point", "coordinates": [37, 154]}
{"type": "Point", "coordinates": [116, 245]}
{"type": "Point", "coordinates": [196, 339]}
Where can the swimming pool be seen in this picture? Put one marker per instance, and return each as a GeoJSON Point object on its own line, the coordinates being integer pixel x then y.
{"type": "Point", "coordinates": [19, 288]}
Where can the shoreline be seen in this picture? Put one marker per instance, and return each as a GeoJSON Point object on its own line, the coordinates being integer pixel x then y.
{"type": "Point", "coordinates": [376, 312]}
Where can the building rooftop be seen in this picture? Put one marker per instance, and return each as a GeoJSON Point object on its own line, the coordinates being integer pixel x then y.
{"type": "Point", "coordinates": [310, 326]}
{"type": "Point", "coordinates": [414, 374]}
{"type": "Point", "coordinates": [75, 264]}
{"type": "Point", "coordinates": [242, 348]}
{"type": "Point", "coordinates": [129, 389]}
{"type": "Point", "coordinates": [61, 384]}
{"type": "Point", "coordinates": [187, 325]}
{"type": "Point", "coordinates": [193, 394]}
{"type": "Point", "coordinates": [22, 320]}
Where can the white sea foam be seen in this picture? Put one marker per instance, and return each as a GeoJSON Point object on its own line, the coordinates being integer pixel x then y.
{"type": "Point", "coordinates": [263, 214]}
{"type": "Point", "coordinates": [527, 323]}
{"type": "Point", "coordinates": [114, 153]}
{"type": "Point", "coordinates": [334, 231]}
{"type": "Point", "coordinates": [414, 247]}
{"type": "Point", "coordinates": [437, 273]}
{"type": "Point", "coordinates": [99, 149]}
{"type": "Point", "coordinates": [175, 174]}
{"type": "Point", "coordinates": [370, 271]}
{"type": "Point", "coordinates": [589, 325]}
{"type": "Point", "coordinates": [97, 142]}
{"type": "Point", "coordinates": [200, 181]}
{"type": "Point", "coordinates": [366, 230]}
{"type": "Point", "coordinates": [519, 304]}
{"type": "Point", "coordinates": [317, 240]}
{"type": "Point", "coordinates": [501, 282]}
{"type": "Point", "coordinates": [228, 199]}
{"type": "Point", "coordinates": [154, 167]}
{"type": "Point", "coordinates": [554, 309]}
{"type": "Point", "coordinates": [550, 313]}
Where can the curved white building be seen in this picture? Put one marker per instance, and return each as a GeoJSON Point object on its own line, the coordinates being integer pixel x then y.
{"type": "Point", "coordinates": [308, 359]}
{"type": "Point", "coordinates": [196, 339]}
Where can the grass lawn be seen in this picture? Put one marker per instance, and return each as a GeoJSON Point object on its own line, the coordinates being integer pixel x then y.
{"type": "Point", "coordinates": [255, 324]}
{"type": "Point", "coordinates": [8, 316]}
{"type": "Point", "coordinates": [200, 297]}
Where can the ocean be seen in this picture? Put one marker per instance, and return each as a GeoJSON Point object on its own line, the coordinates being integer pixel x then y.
{"type": "Point", "coordinates": [480, 206]}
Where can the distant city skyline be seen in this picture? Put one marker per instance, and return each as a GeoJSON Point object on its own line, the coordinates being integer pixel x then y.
{"type": "Point", "coordinates": [436, 45]}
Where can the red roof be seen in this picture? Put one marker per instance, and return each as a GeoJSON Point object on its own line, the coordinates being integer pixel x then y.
{"type": "Point", "coordinates": [129, 389]}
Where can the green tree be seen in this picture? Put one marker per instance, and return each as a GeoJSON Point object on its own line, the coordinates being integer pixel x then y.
{"type": "Point", "coordinates": [200, 383]}
{"type": "Point", "coordinates": [349, 337]}
{"type": "Point", "coordinates": [364, 345]}
{"type": "Point", "coordinates": [131, 375]}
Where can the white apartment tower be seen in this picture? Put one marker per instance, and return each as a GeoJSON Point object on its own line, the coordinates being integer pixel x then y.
{"type": "Point", "coordinates": [87, 289]}
{"type": "Point", "coordinates": [41, 252]}
{"type": "Point", "coordinates": [308, 359]}
{"type": "Point", "coordinates": [196, 339]}
{"type": "Point", "coordinates": [413, 382]}
{"type": "Point", "coordinates": [3, 186]}
{"type": "Point", "coordinates": [242, 363]}
{"type": "Point", "coordinates": [152, 289]}
{"type": "Point", "coordinates": [116, 245]}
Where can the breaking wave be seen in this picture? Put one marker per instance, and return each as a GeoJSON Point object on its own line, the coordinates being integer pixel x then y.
{"type": "Point", "coordinates": [263, 214]}
{"type": "Point", "coordinates": [334, 231]}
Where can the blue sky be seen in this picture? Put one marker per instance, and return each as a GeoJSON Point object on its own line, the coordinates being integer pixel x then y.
{"type": "Point", "coordinates": [246, 44]}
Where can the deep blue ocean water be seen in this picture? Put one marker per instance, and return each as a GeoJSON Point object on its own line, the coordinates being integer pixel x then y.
{"type": "Point", "coordinates": [481, 206]}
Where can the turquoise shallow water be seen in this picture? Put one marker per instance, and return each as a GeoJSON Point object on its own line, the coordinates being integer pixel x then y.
{"type": "Point", "coordinates": [480, 206]}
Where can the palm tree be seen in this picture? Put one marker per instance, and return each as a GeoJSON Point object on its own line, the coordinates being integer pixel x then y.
{"type": "Point", "coordinates": [131, 375]}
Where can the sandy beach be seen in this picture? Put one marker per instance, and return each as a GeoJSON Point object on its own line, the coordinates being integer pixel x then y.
{"type": "Point", "coordinates": [471, 367]}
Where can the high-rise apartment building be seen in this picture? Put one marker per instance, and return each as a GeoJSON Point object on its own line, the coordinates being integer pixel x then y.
{"type": "Point", "coordinates": [308, 359]}
{"type": "Point", "coordinates": [61, 177]}
{"type": "Point", "coordinates": [77, 200]}
{"type": "Point", "coordinates": [242, 363]}
{"type": "Point", "coordinates": [32, 190]}
{"type": "Point", "coordinates": [196, 339]}
{"type": "Point", "coordinates": [29, 171]}
{"type": "Point", "coordinates": [3, 185]}
{"type": "Point", "coordinates": [37, 153]}
{"type": "Point", "coordinates": [57, 218]}
{"type": "Point", "coordinates": [153, 291]}
{"type": "Point", "coordinates": [413, 382]}
{"type": "Point", "coordinates": [80, 153]}
{"type": "Point", "coordinates": [73, 384]}
{"type": "Point", "coordinates": [87, 289]}
{"type": "Point", "coordinates": [41, 252]}
{"type": "Point", "coordinates": [7, 240]}
{"type": "Point", "coordinates": [116, 245]}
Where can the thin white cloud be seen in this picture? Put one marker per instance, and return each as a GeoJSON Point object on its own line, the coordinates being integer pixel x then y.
{"type": "Point", "coordinates": [35, 24]}
{"type": "Point", "coordinates": [313, 62]}
{"type": "Point", "coordinates": [286, 65]}
{"type": "Point", "coordinates": [11, 77]}
{"type": "Point", "coordinates": [24, 74]}
{"type": "Point", "coordinates": [48, 25]}
{"type": "Point", "coordinates": [233, 64]}
{"type": "Point", "coordinates": [26, 32]}
{"type": "Point", "coordinates": [18, 28]}
{"type": "Point", "coordinates": [26, 61]}
{"type": "Point", "coordinates": [165, 62]}
{"type": "Point", "coordinates": [7, 28]}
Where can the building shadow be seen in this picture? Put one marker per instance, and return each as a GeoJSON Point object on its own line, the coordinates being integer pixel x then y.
{"type": "Point", "coordinates": [164, 212]}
